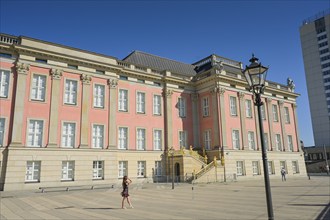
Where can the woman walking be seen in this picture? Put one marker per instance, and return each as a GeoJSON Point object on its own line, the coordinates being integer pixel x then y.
{"type": "Point", "coordinates": [124, 194]}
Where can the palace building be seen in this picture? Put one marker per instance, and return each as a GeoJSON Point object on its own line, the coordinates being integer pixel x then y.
{"type": "Point", "coordinates": [70, 117]}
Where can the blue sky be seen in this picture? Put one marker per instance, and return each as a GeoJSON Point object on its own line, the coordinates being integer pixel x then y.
{"type": "Point", "coordinates": [185, 31]}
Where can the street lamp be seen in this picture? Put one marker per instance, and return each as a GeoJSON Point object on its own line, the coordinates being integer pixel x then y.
{"type": "Point", "coordinates": [171, 152]}
{"type": "Point", "coordinates": [255, 75]}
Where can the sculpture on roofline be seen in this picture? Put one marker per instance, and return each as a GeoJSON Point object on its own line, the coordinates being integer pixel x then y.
{"type": "Point", "coordinates": [290, 84]}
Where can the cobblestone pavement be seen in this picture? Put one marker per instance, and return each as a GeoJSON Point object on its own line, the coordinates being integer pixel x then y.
{"type": "Point", "coordinates": [294, 199]}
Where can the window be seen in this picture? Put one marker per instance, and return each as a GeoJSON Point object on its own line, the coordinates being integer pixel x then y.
{"type": "Point", "coordinates": [98, 98]}
{"type": "Point", "coordinates": [235, 139]}
{"type": "Point", "coordinates": [182, 139]}
{"type": "Point", "coordinates": [123, 77]}
{"type": "Point", "coordinates": [98, 170]}
{"type": "Point", "coordinates": [271, 170]}
{"type": "Point", "coordinates": [122, 168]}
{"type": "Point", "coordinates": [123, 100]}
{"type": "Point", "coordinates": [140, 102]}
{"type": "Point", "coordinates": [74, 67]}
{"type": "Point", "coordinates": [2, 131]}
{"type": "Point", "coordinates": [182, 107]}
{"type": "Point", "coordinates": [252, 145]}
{"type": "Point", "coordinates": [6, 55]}
{"type": "Point", "coordinates": [207, 139]}
{"type": "Point", "coordinates": [4, 83]}
{"type": "Point", "coordinates": [263, 114]}
{"type": "Point", "coordinates": [278, 142]}
{"type": "Point", "coordinates": [70, 94]}
{"type": "Point", "coordinates": [295, 168]}
{"type": "Point", "coordinates": [275, 113]}
{"type": "Point", "coordinates": [35, 133]}
{"type": "Point", "coordinates": [67, 170]}
{"type": "Point", "coordinates": [122, 138]}
{"type": "Point", "coordinates": [283, 165]}
{"type": "Point", "coordinates": [205, 107]}
{"type": "Point", "coordinates": [158, 168]}
{"type": "Point", "coordinates": [68, 134]}
{"type": "Point", "coordinates": [157, 105]}
{"type": "Point", "coordinates": [41, 60]}
{"type": "Point", "coordinates": [157, 140]}
{"type": "Point", "coordinates": [286, 115]}
{"type": "Point", "coordinates": [98, 134]}
{"type": "Point", "coordinates": [240, 168]}
{"type": "Point", "coordinates": [248, 108]}
{"type": "Point", "coordinates": [141, 139]}
{"type": "Point", "coordinates": [141, 169]}
{"type": "Point", "coordinates": [290, 143]}
{"type": "Point", "coordinates": [233, 106]}
{"type": "Point", "coordinates": [38, 87]}
{"type": "Point", "coordinates": [32, 173]}
{"type": "Point", "coordinates": [255, 168]}
{"type": "Point", "coordinates": [266, 141]}
{"type": "Point", "coordinates": [100, 72]}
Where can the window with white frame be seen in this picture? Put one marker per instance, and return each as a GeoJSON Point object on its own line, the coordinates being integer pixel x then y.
{"type": "Point", "coordinates": [271, 170]}
{"type": "Point", "coordinates": [295, 168]}
{"type": "Point", "coordinates": [68, 134]}
{"type": "Point", "coordinates": [233, 106]}
{"type": "Point", "coordinates": [140, 102]}
{"type": "Point", "coordinates": [240, 168]}
{"type": "Point", "coordinates": [98, 169]}
{"type": "Point", "coordinates": [263, 113]}
{"type": "Point", "coordinates": [266, 141]}
{"type": "Point", "coordinates": [141, 169]}
{"type": "Point", "coordinates": [70, 93]}
{"type": "Point", "coordinates": [32, 173]}
{"type": "Point", "coordinates": [122, 168]}
{"type": "Point", "coordinates": [290, 143]}
{"type": "Point", "coordinates": [206, 108]}
{"type": "Point", "coordinates": [157, 105]}
{"type": "Point", "coordinates": [98, 136]}
{"type": "Point", "coordinates": [158, 168]}
{"type": "Point", "coordinates": [255, 168]}
{"type": "Point", "coordinates": [157, 137]}
{"type": "Point", "coordinates": [182, 139]}
{"type": "Point", "coordinates": [141, 139]}
{"type": "Point", "coordinates": [38, 90]}
{"type": "Point", "coordinates": [98, 98]}
{"type": "Point", "coordinates": [123, 100]}
{"type": "Point", "coordinates": [67, 171]}
{"type": "Point", "coordinates": [4, 83]}
{"type": "Point", "coordinates": [182, 107]}
{"type": "Point", "coordinates": [251, 142]}
{"type": "Point", "coordinates": [248, 108]}
{"type": "Point", "coordinates": [122, 138]}
{"type": "Point", "coordinates": [207, 139]}
{"type": "Point", "coordinates": [283, 165]}
{"type": "Point", "coordinates": [235, 139]}
{"type": "Point", "coordinates": [278, 143]}
{"type": "Point", "coordinates": [275, 112]}
{"type": "Point", "coordinates": [287, 115]}
{"type": "Point", "coordinates": [2, 131]}
{"type": "Point", "coordinates": [35, 133]}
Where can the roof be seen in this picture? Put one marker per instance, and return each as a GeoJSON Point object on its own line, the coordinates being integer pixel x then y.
{"type": "Point", "coordinates": [160, 63]}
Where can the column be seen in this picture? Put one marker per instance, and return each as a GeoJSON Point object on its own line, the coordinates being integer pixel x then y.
{"type": "Point", "coordinates": [195, 112]}
{"type": "Point", "coordinates": [56, 75]}
{"type": "Point", "coordinates": [113, 83]}
{"type": "Point", "coordinates": [284, 136]}
{"type": "Point", "coordinates": [22, 70]}
{"type": "Point", "coordinates": [85, 106]}
{"type": "Point", "coordinates": [167, 93]}
{"type": "Point", "coordinates": [295, 117]}
{"type": "Point", "coordinates": [242, 120]}
{"type": "Point", "coordinates": [270, 123]}
{"type": "Point", "coordinates": [223, 117]}
{"type": "Point", "coordinates": [215, 116]}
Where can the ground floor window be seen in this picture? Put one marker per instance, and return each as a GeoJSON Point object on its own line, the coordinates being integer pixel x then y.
{"type": "Point", "coordinates": [240, 168]}
{"type": "Point", "coordinates": [255, 168]}
{"type": "Point", "coordinates": [32, 173]}
{"type": "Point", "coordinates": [271, 170]}
{"type": "Point", "coordinates": [295, 168]}
{"type": "Point", "coordinates": [122, 168]}
{"type": "Point", "coordinates": [98, 169]}
{"type": "Point", "coordinates": [141, 169]}
{"type": "Point", "coordinates": [158, 168]}
{"type": "Point", "coordinates": [67, 170]}
{"type": "Point", "coordinates": [283, 165]}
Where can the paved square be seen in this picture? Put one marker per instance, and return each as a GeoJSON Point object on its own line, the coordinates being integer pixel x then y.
{"type": "Point", "coordinates": [294, 199]}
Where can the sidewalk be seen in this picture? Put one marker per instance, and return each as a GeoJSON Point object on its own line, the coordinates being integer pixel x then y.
{"type": "Point", "coordinates": [294, 199]}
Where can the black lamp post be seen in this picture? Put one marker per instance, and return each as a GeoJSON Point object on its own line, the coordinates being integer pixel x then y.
{"type": "Point", "coordinates": [255, 75]}
{"type": "Point", "coordinates": [171, 152]}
